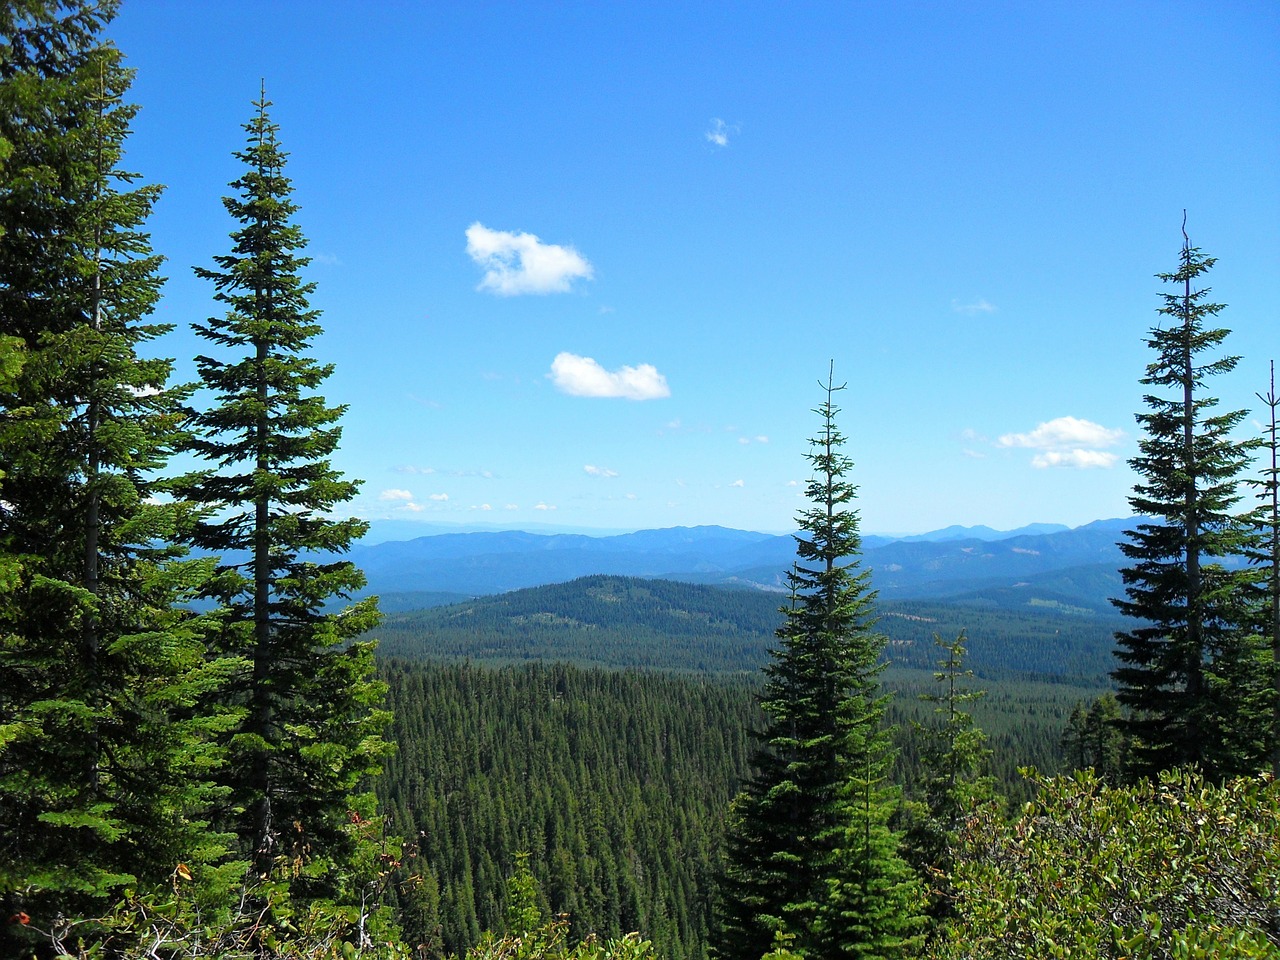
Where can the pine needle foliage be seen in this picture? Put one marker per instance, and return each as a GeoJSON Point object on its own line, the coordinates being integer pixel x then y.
{"type": "Point", "coordinates": [310, 729]}
{"type": "Point", "coordinates": [810, 855]}
{"type": "Point", "coordinates": [101, 756]}
{"type": "Point", "coordinates": [1190, 673]}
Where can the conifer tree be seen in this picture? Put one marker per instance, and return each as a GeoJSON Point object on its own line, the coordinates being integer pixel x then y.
{"type": "Point", "coordinates": [810, 854]}
{"type": "Point", "coordinates": [954, 758]}
{"type": "Point", "coordinates": [1190, 675]}
{"type": "Point", "coordinates": [1267, 557]}
{"type": "Point", "coordinates": [101, 759]}
{"type": "Point", "coordinates": [310, 732]}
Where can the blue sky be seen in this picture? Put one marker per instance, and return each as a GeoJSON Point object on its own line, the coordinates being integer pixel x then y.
{"type": "Point", "coordinates": [583, 264]}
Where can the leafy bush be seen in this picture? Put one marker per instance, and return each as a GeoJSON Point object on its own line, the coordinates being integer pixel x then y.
{"type": "Point", "coordinates": [1174, 868]}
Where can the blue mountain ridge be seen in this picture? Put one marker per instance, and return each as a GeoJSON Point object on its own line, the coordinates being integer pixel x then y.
{"type": "Point", "coordinates": [953, 563]}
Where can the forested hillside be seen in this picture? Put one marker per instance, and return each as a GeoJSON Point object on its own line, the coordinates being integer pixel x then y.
{"type": "Point", "coordinates": [615, 782]}
{"type": "Point", "coordinates": [623, 622]}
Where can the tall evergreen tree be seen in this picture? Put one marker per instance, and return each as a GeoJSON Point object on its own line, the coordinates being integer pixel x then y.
{"type": "Point", "coordinates": [1267, 556]}
{"type": "Point", "coordinates": [810, 854]}
{"type": "Point", "coordinates": [1190, 673]}
{"type": "Point", "coordinates": [100, 758]}
{"type": "Point", "coordinates": [310, 732]}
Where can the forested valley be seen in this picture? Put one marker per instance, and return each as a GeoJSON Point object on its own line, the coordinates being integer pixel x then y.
{"type": "Point", "coordinates": [201, 755]}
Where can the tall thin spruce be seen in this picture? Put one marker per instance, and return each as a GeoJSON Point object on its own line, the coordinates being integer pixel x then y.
{"type": "Point", "coordinates": [1189, 673]}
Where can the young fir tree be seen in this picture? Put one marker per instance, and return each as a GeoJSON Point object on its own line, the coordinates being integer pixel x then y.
{"type": "Point", "coordinates": [101, 759]}
{"type": "Point", "coordinates": [310, 732]}
{"type": "Point", "coordinates": [1190, 675]}
{"type": "Point", "coordinates": [1267, 556]}
{"type": "Point", "coordinates": [954, 758]}
{"type": "Point", "coordinates": [810, 854]}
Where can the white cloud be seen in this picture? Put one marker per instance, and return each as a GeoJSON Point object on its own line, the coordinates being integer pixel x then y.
{"type": "Point", "coordinates": [744, 440]}
{"type": "Point", "coordinates": [1080, 459]}
{"type": "Point", "coordinates": [149, 390]}
{"type": "Point", "coordinates": [595, 471]}
{"type": "Point", "coordinates": [441, 497]}
{"type": "Point", "coordinates": [737, 483]}
{"type": "Point", "coordinates": [543, 506]}
{"type": "Point", "coordinates": [516, 263]}
{"type": "Point", "coordinates": [483, 506]}
{"type": "Point", "coordinates": [418, 471]}
{"type": "Point", "coordinates": [1064, 433]}
{"type": "Point", "coordinates": [981, 305]}
{"type": "Point", "coordinates": [512, 506]}
{"type": "Point", "coordinates": [720, 132]}
{"type": "Point", "coordinates": [1067, 442]}
{"type": "Point", "coordinates": [412, 507]}
{"type": "Point", "coordinates": [395, 495]}
{"type": "Point", "coordinates": [583, 377]}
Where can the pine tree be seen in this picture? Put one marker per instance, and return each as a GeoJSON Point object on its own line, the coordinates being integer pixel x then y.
{"type": "Point", "coordinates": [101, 757]}
{"type": "Point", "coordinates": [1267, 557]}
{"type": "Point", "coordinates": [954, 759]}
{"type": "Point", "coordinates": [810, 854]}
{"type": "Point", "coordinates": [1190, 672]}
{"type": "Point", "coordinates": [309, 736]}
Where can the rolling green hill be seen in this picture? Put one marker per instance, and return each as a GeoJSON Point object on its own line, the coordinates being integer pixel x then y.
{"type": "Point", "coordinates": [625, 622]}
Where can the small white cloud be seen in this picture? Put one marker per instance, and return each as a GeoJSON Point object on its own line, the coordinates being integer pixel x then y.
{"type": "Point", "coordinates": [1064, 433]}
{"type": "Point", "coordinates": [1067, 442]}
{"type": "Point", "coordinates": [543, 506]}
{"type": "Point", "coordinates": [149, 390]}
{"type": "Point", "coordinates": [720, 132]}
{"type": "Point", "coordinates": [395, 495]}
{"type": "Point", "coordinates": [516, 263]}
{"type": "Point", "coordinates": [327, 259]}
{"type": "Point", "coordinates": [440, 497]}
{"type": "Point", "coordinates": [412, 507]}
{"type": "Point", "coordinates": [793, 483]}
{"type": "Point", "coordinates": [737, 483]}
{"type": "Point", "coordinates": [483, 506]}
{"type": "Point", "coordinates": [762, 439]}
{"type": "Point", "coordinates": [583, 377]}
{"type": "Point", "coordinates": [417, 471]}
{"type": "Point", "coordinates": [632, 496]}
{"type": "Point", "coordinates": [595, 471]}
{"type": "Point", "coordinates": [981, 305]}
{"type": "Point", "coordinates": [744, 440]}
{"type": "Point", "coordinates": [1080, 459]}
{"type": "Point", "coordinates": [512, 506]}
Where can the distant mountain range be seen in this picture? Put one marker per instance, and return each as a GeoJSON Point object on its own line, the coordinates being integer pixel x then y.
{"type": "Point", "coordinates": [1046, 563]}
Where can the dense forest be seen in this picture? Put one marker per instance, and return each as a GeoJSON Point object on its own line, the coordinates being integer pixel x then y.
{"type": "Point", "coordinates": [616, 782]}
{"type": "Point", "coordinates": [625, 622]}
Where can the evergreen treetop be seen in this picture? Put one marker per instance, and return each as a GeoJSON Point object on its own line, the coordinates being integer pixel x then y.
{"type": "Point", "coordinates": [1188, 668]}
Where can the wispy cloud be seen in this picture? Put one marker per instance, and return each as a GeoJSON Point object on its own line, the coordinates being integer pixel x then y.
{"type": "Point", "coordinates": [981, 305]}
{"type": "Point", "coordinates": [1067, 442]}
{"type": "Point", "coordinates": [440, 497]}
{"type": "Point", "coordinates": [417, 471]}
{"type": "Point", "coordinates": [583, 377]}
{"type": "Point", "coordinates": [393, 495]}
{"type": "Point", "coordinates": [738, 483]}
{"type": "Point", "coordinates": [603, 472]}
{"type": "Point", "coordinates": [720, 132]}
{"type": "Point", "coordinates": [544, 506]}
{"type": "Point", "coordinates": [516, 263]}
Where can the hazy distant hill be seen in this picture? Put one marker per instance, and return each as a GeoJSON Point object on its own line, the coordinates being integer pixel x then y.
{"type": "Point", "coordinates": [481, 563]}
{"type": "Point", "coordinates": [628, 622]}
